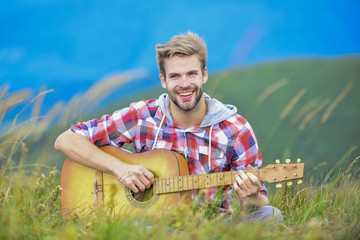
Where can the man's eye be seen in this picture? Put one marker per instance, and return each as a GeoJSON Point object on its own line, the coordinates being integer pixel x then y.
{"type": "Point", "coordinates": [192, 74]}
{"type": "Point", "coordinates": [174, 76]}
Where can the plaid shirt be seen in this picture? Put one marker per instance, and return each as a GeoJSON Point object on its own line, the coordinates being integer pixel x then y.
{"type": "Point", "coordinates": [233, 143]}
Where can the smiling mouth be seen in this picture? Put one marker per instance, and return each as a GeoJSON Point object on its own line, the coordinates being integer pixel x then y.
{"type": "Point", "coordinates": [184, 94]}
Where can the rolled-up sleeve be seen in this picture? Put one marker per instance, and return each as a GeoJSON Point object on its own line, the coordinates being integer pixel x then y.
{"type": "Point", "coordinates": [115, 129]}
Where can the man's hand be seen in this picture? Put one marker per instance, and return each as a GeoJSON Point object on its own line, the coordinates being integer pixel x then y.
{"type": "Point", "coordinates": [246, 184]}
{"type": "Point", "coordinates": [136, 177]}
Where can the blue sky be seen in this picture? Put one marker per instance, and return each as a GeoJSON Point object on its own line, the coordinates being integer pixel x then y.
{"type": "Point", "coordinates": [47, 42]}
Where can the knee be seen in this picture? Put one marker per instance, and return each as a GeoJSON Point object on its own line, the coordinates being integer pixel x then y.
{"type": "Point", "coordinates": [271, 213]}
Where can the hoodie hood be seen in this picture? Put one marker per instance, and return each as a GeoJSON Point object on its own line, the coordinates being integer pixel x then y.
{"type": "Point", "coordinates": [217, 111]}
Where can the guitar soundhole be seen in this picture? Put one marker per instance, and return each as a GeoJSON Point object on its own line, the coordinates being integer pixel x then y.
{"type": "Point", "coordinates": [143, 199]}
{"type": "Point", "coordinates": [143, 196]}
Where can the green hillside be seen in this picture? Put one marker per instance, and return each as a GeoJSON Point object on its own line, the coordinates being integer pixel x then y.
{"type": "Point", "coordinates": [310, 89]}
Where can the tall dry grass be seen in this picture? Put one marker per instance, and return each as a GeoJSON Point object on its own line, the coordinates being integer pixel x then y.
{"type": "Point", "coordinates": [28, 126]}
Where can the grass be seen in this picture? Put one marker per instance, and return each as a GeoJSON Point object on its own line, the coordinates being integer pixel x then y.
{"type": "Point", "coordinates": [30, 209]}
{"type": "Point", "coordinates": [326, 207]}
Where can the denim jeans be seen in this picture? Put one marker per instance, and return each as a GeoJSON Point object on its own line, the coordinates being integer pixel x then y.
{"type": "Point", "coordinates": [263, 214]}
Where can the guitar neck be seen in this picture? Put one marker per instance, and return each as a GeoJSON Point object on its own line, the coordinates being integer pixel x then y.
{"type": "Point", "coordinates": [271, 173]}
{"type": "Point", "coordinates": [190, 182]}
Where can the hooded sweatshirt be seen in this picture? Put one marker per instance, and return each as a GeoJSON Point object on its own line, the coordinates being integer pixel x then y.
{"type": "Point", "coordinates": [224, 141]}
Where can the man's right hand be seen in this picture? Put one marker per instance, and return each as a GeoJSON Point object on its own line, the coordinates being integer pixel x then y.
{"type": "Point", "coordinates": [136, 177]}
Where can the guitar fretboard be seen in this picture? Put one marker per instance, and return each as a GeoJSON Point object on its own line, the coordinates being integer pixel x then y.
{"type": "Point", "coordinates": [190, 182]}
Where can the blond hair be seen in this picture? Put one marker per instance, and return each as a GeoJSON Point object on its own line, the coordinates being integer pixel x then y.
{"type": "Point", "coordinates": [182, 45]}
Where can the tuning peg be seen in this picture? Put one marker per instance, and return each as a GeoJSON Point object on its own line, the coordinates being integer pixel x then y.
{"type": "Point", "coordinates": [298, 160]}
{"type": "Point", "coordinates": [299, 181]}
{"type": "Point", "coordinates": [289, 183]}
{"type": "Point", "coordinates": [288, 160]}
{"type": "Point", "coordinates": [279, 185]}
{"type": "Point", "coordinates": [277, 161]}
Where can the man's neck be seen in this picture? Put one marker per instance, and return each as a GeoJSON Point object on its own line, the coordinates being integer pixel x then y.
{"type": "Point", "coordinates": [187, 119]}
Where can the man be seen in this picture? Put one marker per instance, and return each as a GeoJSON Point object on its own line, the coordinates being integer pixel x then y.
{"type": "Point", "coordinates": [210, 135]}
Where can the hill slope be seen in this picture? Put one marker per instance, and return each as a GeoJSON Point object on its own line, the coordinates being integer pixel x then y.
{"type": "Point", "coordinates": [310, 90]}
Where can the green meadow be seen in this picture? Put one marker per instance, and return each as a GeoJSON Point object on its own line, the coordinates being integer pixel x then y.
{"type": "Point", "coordinates": [307, 108]}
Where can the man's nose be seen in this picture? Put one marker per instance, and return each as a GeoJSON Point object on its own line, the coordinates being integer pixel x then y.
{"type": "Point", "coordinates": [184, 82]}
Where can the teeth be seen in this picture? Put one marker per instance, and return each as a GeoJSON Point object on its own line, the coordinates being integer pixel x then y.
{"type": "Point", "coordinates": [185, 94]}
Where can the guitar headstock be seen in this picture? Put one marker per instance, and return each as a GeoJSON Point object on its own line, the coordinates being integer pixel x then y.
{"type": "Point", "coordinates": [273, 173]}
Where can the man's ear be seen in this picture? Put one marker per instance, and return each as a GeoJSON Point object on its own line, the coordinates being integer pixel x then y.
{"type": "Point", "coordinates": [163, 81]}
{"type": "Point", "coordinates": [205, 75]}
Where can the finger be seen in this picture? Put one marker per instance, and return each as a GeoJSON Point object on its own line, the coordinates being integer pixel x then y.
{"type": "Point", "coordinates": [245, 179]}
{"type": "Point", "coordinates": [238, 189]}
{"type": "Point", "coordinates": [132, 186]}
{"type": "Point", "coordinates": [255, 181]}
{"type": "Point", "coordinates": [240, 183]}
{"type": "Point", "coordinates": [148, 174]}
{"type": "Point", "coordinates": [143, 180]}
{"type": "Point", "coordinates": [145, 176]}
{"type": "Point", "coordinates": [139, 184]}
{"type": "Point", "coordinates": [249, 166]}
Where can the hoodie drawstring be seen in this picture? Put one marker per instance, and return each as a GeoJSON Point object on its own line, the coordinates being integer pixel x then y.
{"type": "Point", "coordinates": [210, 133]}
{"type": "Point", "coordinates": [209, 159]}
{"type": "Point", "coordinates": [157, 132]}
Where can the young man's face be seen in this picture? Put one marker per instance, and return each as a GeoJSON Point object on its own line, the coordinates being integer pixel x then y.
{"type": "Point", "coordinates": [184, 81]}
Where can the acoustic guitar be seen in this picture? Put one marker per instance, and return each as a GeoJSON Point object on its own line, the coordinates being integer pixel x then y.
{"type": "Point", "coordinates": [85, 189]}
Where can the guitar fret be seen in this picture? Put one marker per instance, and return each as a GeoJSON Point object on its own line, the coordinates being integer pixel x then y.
{"type": "Point", "coordinates": [166, 185]}
{"type": "Point", "coordinates": [171, 180]}
{"type": "Point", "coordinates": [162, 185]}
{"type": "Point", "coordinates": [175, 185]}
{"type": "Point", "coordinates": [191, 182]}
{"type": "Point", "coordinates": [171, 184]}
{"type": "Point", "coordinates": [196, 182]}
{"type": "Point", "coordinates": [155, 187]}
{"type": "Point", "coordinates": [201, 181]}
{"type": "Point", "coordinates": [187, 183]}
{"type": "Point", "coordinates": [207, 181]}
{"type": "Point", "coordinates": [227, 180]}
{"type": "Point", "coordinates": [181, 182]}
{"type": "Point", "coordinates": [217, 180]}
{"type": "Point", "coordinates": [190, 185]}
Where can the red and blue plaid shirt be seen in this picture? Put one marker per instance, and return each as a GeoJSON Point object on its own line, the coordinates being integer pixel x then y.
{"type": "Point", "coordinates": [233, 142]}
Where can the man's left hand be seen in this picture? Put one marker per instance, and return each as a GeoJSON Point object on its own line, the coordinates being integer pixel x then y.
{"type": "Point", "coordinates": [246, 184]}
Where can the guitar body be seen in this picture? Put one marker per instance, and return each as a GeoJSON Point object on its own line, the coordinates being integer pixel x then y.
{"type": "Point", "coordinates": [86, 189]}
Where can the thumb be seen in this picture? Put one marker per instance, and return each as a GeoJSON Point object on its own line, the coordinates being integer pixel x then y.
{"type": "Point", "coordinates": [249, 166]}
